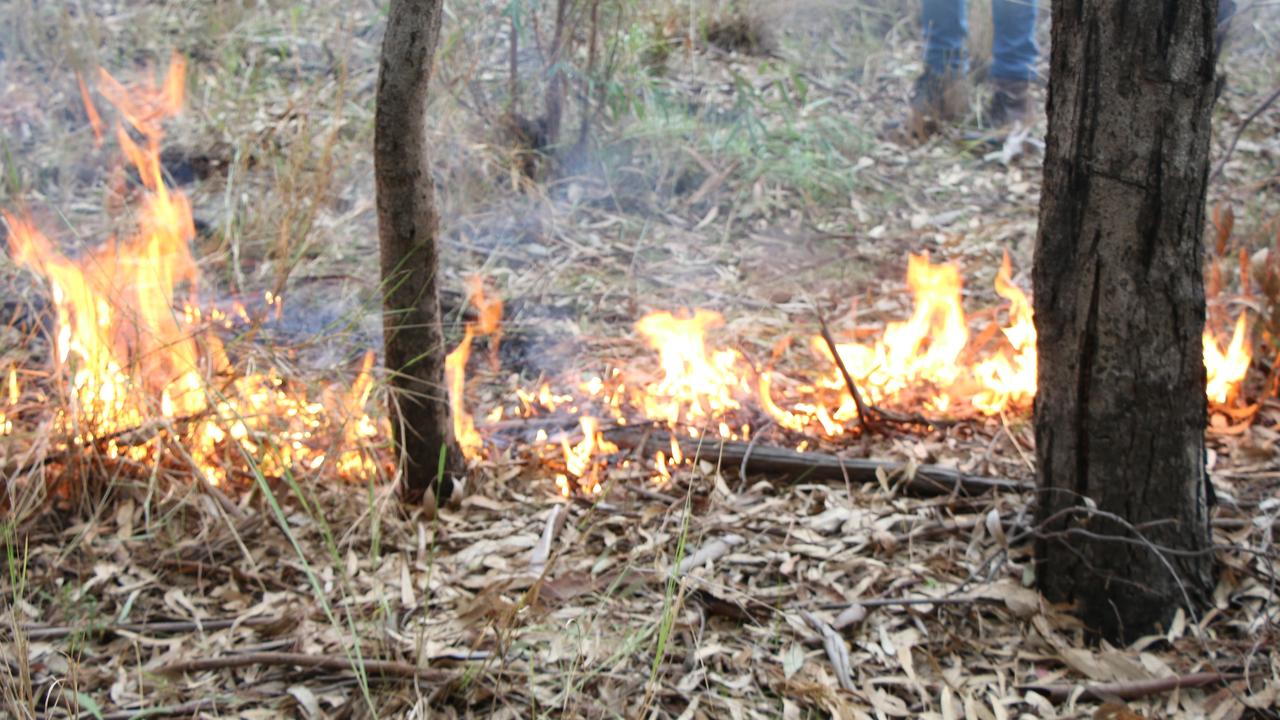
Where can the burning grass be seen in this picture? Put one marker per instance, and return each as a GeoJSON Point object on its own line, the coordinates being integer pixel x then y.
{"type": "Point", "coordinates": [141, 375]}
{"type": "Point", "coordinates": [932, 363]}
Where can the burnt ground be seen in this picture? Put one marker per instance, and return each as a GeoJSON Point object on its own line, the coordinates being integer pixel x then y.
{"type": "Point", "coordinates": [741, 168]}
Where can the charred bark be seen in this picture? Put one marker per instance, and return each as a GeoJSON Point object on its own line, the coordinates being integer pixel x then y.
{"type": "Point", "coordinates": [1119, 307]}
{"type": "Point", "coordinates": [407, 227]}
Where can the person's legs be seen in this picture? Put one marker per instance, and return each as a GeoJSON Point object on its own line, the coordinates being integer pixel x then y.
{"type": "Point", "coordinates": [1013, 61]}
{"type": "Point", "coordinates": [946, 32]}
{"type": "Point", "coordinates": [1013, 49]}
{"type": "Point", "coordinates": [1226, 11]}
{"type": "Point", "coordinates": [939, 93]}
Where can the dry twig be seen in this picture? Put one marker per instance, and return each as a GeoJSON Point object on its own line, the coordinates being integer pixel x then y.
{"type": "Point", "coordinates": [1061, 692]}
{"type": "Point", "coordinates": [377, 668]}
{"type": "Point", "coordinates": [154, 627]}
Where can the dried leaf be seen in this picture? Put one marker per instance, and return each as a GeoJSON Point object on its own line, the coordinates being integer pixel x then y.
{"type": "Point", "coordinates": [792, 660]}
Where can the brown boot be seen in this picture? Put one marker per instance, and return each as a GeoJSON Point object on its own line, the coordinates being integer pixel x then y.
{"type": "Point", "coordinates": [1010, 103]}
{"type": "Point", "coordinates": [937, 98]}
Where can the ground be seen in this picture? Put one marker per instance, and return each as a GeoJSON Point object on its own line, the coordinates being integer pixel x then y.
{"type": "Point", "coordinates": [757, 180]}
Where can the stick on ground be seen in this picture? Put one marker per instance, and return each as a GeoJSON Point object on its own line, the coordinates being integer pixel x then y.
{"type": "Point", "coordinates": [1130, 690]}
{"type": "Point", "coordinates": [377, 668]}
{"type": "Point", "coordinates": [925, 480]}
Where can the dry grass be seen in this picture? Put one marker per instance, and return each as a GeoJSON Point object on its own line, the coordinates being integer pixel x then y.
{"type": "Point", "coordinates": [755, 186]}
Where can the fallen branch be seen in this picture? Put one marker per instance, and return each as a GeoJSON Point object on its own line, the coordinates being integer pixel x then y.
{"type": "Point", "coordinates": [376, 668]}
{"type": "Point", "coordinates": [163, 626]}
{"type": "Point", "coordinates": [923, 480]}
{"type": "Point", "coordinates": [1101, 692]}
{"type": "Point", "coordinates": [870, 416]}
{"type": "Point", "coordinates": [187, 708]}
{"type": "Point", "coordinates": [1240, 131]}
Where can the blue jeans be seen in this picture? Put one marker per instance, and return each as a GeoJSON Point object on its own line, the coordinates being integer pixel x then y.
{"type": "Point", "coordinates": [1013, 50]}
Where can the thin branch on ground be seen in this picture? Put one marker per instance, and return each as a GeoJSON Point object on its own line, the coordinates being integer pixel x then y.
{"type": "Point", "coordinates": [1271, 99]}
{"type": "Point", "coordinates": [380, 668]}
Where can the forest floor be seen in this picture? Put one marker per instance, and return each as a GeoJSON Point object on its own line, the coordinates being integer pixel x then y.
{"type": "Point", "coordinates": [755, 181]}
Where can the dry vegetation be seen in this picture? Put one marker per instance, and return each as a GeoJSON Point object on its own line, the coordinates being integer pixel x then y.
{"type": "Point", "coordinates": [736, 163]}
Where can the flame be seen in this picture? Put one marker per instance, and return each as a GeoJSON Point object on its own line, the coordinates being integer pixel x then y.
{"type": "Point", "coordinates": [134, 350]}
{"type": "Point", "coordinates": [1225, 371]}
{"type": "Point", "coordinates": [1009, 379]}
{"type": "Point", "coordinates": [919, 354]}
{"type": "Point", "coordinates": [579, 460]}
{"type": "Point", "coordinates": [133, 356]}
{"type": "Point", "coordinates": [695, 386]}
{"type": "Point", "coordinates": [455, 374]}
{"type": "Point", "coordinates": [924, 362]}
{"type": "Point", "coordinates": [455, 365]}
{"type": "Point", "coordinates": [920, 361]}
{"type": "Point", "coordinates": [490, 308]}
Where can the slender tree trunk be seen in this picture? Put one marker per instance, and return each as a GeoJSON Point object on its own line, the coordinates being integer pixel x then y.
{"type": "Point", "coordinates": [555, 80]}
{"type": "Point", "coordinates": [589, 82]}
{"type": "Point", "coordinates": [407, 227]}
{"type": "Point", "coordinates": [1119, 306]}
{"type": "Point", "coordinates": [513, 65]}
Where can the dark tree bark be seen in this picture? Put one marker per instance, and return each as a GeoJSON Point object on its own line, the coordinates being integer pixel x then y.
{"type": "Point", "coordinates": [1119, 307]}
{"type": "Point", "coordinates": [407, 227]}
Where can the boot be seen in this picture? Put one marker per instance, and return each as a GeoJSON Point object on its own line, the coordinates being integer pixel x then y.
{"type": "Point", "coordinates": [938, 97]}
{"type": "Point", "coordinates": [1010, 103]}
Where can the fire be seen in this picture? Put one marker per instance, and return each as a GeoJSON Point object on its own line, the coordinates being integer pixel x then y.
{"type": "Point", "coordinates": [455, 365]}
{"type": "Point", "coordinates": [455, 377]}
{"type": "Point", "coordinates": [921, 361]}
{"type": "Point", "coordinates": [1009, 379]}
{"type": "Point", "coordinates": [144, 370]}
{"type": "Point", "coordinates": [146, 377]}
{"type": "Point", "coordinates": [926, 362]}
{"type": "Point", "coordinates": [1225, 372]}
{"type": "Point", "coordinates": [920, 352]}
{"type": "Point", "coordinates": [696, 386]}
{"type": "Point", "coordinates": [581, 460]}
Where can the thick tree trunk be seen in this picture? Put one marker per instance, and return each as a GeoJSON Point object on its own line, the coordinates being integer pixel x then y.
{"type": "Point", "coordinates": [407, 226]}
{"type": "Point", "coordinates": [1119, 306]}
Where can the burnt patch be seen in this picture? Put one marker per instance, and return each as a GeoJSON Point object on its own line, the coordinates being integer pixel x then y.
{"type": "Point", "coordinates": [184, 166]}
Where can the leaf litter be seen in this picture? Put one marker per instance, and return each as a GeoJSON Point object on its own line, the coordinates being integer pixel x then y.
{"type": "Point", "coordinates": [790, 599]}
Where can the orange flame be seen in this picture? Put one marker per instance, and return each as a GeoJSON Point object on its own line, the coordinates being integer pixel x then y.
{"type": "Point", "coordinates": [455, 374]}
{"type": "Point", "coordinates": [455, 365]}
{"type": "Point", "coordinates": [579, 459]}
{"type": "Point", "coordinates": [131, 354]}
{"type": "Point", "coordinates": [1225, 371]}
{"type": "Point", "coordinates": [923, 355]}
{"type": "Point", "coordinates": [919, 353]}
{"type": "Point", "coordinates": [1009, 379]}
{"type": "Point", "coordinates": [695, 386]}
